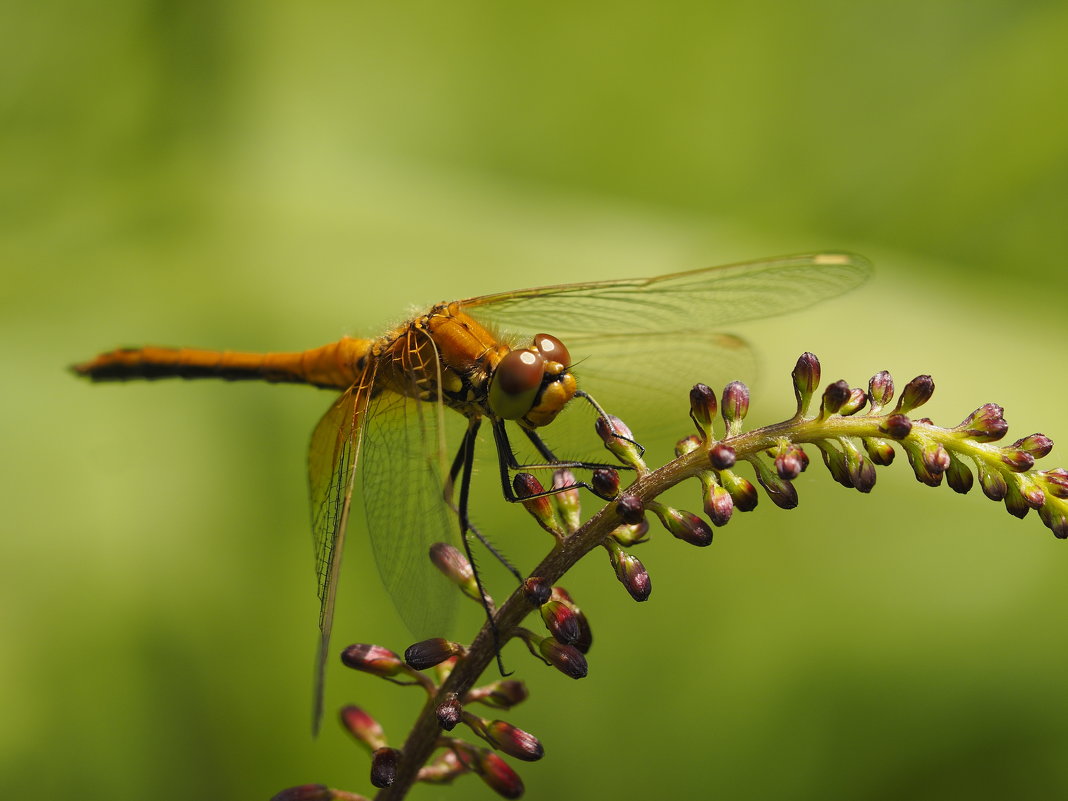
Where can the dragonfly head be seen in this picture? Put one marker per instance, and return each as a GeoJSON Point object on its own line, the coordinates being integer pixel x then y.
{"type": "Point", "coordinates": [533, 384]}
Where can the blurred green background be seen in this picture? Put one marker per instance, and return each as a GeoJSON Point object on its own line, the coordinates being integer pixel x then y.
{"type": "Point", "coordinates": [272, 176]}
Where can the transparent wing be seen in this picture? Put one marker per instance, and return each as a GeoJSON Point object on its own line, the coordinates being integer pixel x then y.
{"type": "Point", "coordinates": [697, 300]}
{"type": "Point", "coordinates": [402, 486]}
{"type": "Point", "coordinates": [332, 457]}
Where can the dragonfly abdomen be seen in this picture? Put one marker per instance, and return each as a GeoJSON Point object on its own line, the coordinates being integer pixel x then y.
{"type": "Point", "coordinates": [335, 365]}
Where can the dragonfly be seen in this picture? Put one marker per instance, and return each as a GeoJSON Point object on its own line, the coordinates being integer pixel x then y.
{"type": "Point", "coordinates": [490, 359]}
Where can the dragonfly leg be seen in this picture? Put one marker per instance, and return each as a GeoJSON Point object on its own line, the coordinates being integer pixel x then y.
{"type": "Point", "coordinates": [464, 460]}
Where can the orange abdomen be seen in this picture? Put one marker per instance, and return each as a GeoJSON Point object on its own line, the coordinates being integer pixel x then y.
{"type": "Point", "coordinates": [336, 365]}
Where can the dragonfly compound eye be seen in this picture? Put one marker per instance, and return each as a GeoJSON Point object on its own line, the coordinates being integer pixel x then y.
{"type": "Point", "coordinates": [552, 349]}
{"type": "Point", "coordinates": [516, 383]}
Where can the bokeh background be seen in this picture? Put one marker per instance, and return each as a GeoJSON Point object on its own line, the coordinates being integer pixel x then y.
{"type": "Point", "coordinates": [272, 176]}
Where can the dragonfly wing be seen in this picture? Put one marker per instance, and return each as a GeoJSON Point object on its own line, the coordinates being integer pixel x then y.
{"type": "Point", "coordinates": [697, 300]}
{"type": "Point", "coordinates": [402, 490]}
{"type": "Point", "coordinates": [332, 458]}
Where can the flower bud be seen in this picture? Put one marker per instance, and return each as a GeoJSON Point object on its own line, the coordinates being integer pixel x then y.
{"type": "Point", "coordinates": [958, 476]}
{"type": "Point", "coordinates": [1038, 445]}
{"type": "Point", "coordinates": [718, 504]}
{"type": "Point", "coordinates": [722, 456]}
{"type": "Point", "coordinates": [498, 775]}
{"type": "Point", "coordinates": [630, 509]}
{"type": "Point", "coordinates": [919, 464]}
{"type": "Point", "coordinates": [742, 491]}
{"type": "Point", "coordinates": [605, 483]}
{"type": "Point", "coordinates": [631, 573]}
{"type": "Point", "coordinates": [856, 401]}
{"type": "Point", "coordinates": [1017, 459]}
{"type": "Point", "coordinates": [992, 482]}
{"type": "Point", "coordinates": [503, 694]}
{"type": "Point", "coordinates": [373, 659]}
{"type": "Point", "coordinates": [687, 445]}
{"type": "Point", "coordinates": [834, 396]}
{"type": "Point", "coordinates": [861, 471]}
{"type": "Point", "coordinates": [628, 535]}
{"type": "Point", "coordinates": [806, 376]}
{"type": "Point", "coordinates": [1055, 519]}
{"type": "Point", "coordinates": [735, 406]}
{"type": "Point", "coordinates": [455, 567]}
{"type": "Point", "coordinates": [537, 590]}
{"type": "Point", "coordinates": [1015, 503]}
{"type": "Point", "coordinates": [585, 639]}
{"type": "Point", "coordinates": [619, 441]}
{"type": "Point", "coordinates": [935, 457]}
{"type": "Point", "coordinates": [427, 653]}
{"type": "Point", "coordinates": [835, 460]}
{"type": "Point", "coordinates": [384, 763]}
{"type": "Point", "coordinates": [538, 504]}
{"type": "Point", "coordinates": [985, 424]}
{"type": "Point", "coordinates": [513, 741]}
{"type": "Point", "coordinates": [363, 727]}
{"type": "Point", "coordinates": [782, 493]}
{"type": "Point", "coordinates": [683, 525]}
{"type": "Point", "coordinates": [880, 390]}
{"type": "Point", "coordinates": [449, 712]}
{"type": "Point", "coordinates": [879, 451]}
{"type": "Point", "coordinates": [561, 621]}
{"type": "Point", "coordinates": [568, 501]}
{"type": "Point", "coordinates": [305, 792]}
{"type": "Point", "coordinates": [444, 768]}
{"type": "Point", "coordinates": [1056, 481]}
{"type": "Point", "coordinates": [568, 659]}
{"type": "Point", "coordinates": [896, 426]}
{"type": "Point", "coordinates": [703, 409]}
{"type": "Point", "coordinates": [789, 459]}
{"type": "Point", "coordinates": [916, 393]}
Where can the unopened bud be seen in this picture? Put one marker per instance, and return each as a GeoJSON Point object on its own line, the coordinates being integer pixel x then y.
{"type": "Point", "coordinates": [915, 394]}
{"type": "Point", "coordinates": [561, 621]}
{"type": "Point", "coordinates": [428, 653]}
{"type": "Point", "coordinates": [806, 376]}
{"type": "Point", "coordinates": [722, 456]}
{"type": "Point", "coordinates": [384, 763]}
{"type": "Point", "coordinates": [735, 406]}
{"type": "Point", "coordinates": [985, 424]}
{"type": "Point", "coordinates": [503, 694]}
{"type": "Point", "coordinates": [856, 401]}
{"type": "Point", "coordinates": [449, 712]}
{"type": "Point", "coordinates": [742, 491]}
{"type": "Point", "coordinates": [585, 639]}
{"type": "Point", "coordinates": [537, 590]}
{"type": "Point", "coordinates": [605, 483]}
{"type": "Point", "coordinates": [527, 486]}
{"type": "Point", "coordinates": [835, 460]}
{"type": "Point", "coordinates": [935, 457]}
{"type": "Point", "coordinates": [683, 525]}
{"type": "Point", "coordinates": [619, 440]}
{"type": "Point", "coordinates": [896, 426]}
{"type": "Point", "coordinates": [498, 775]}
{"type": "Point", "coordinates": [880, 390]}
{"type": "Point", "coordinates": [781, 492]}
{"type": "Point", "coordinates": [992, 482]}
{"type": "Point", "coordinates": [630, 509]}
{"type": "Point", "coordinates": [1056, 482]}
{"type": "Point", "coordinates": [687, 445]}
{"type": "Point", "coordinates": [373, 659]}
{"type": "Point", "coordinates": [1017, 459]}
{"type": "Point", "coordinates": [363, 727]}
{"type": "Point", "coordinates": [1038, 445]}
{"type": "Point", "coordinates": [627, 535]}
{"type": "Point", "coordinates": [789, 459]}
{"type": "Point", "coordinates": [958, 476]}
{"type": "Point", "coordinates": [455, 567]}
{"type": "Point", "coordinates": [879, 451]}
{"type": "Point", "coordinates": [568, 659]}
{"type": "Point", "coordinates": [718, 504]}
{"type": "Point", "coordinates": [861, 472]}
{"type": "Point", "coordinates": [1015, 502]}
{"type": "Point", "coordinates": [315, 792]}
{"type": "Point", "coordinates": [703, 409]}
{"type": "Point", "coordinates": [513, 741]}
{"type": "Point", "coordinates": [1055, 519]}
{"type": "Point", "coordinates": [568, 501]}
{"type": "Point", "coordinates": [834, 396]}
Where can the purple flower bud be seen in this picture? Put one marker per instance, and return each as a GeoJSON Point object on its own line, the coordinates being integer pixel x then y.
{"type": "Point", "coordinates": [568, 501]}
{"type": "Point", "coordinates": [918, 463]}
{"type": "Point", "coordinates": [445, 767]}
{"type": "Point", "coordinates": [806, 376]}
{"type": "Point", "coordinates": [1016, 459]}
{"type": "Point", "coordinates": [782, 493]}
{"type": "Point", "coordinates": [454, 565]}
{"type": "Point", "coordinates": [687, 445]}
{"type": "Point", "coordinates": [540, 507]}
{"type": "Point", "coordinates": [605, 483]}
{"type": "Point", "coordinates": [896, 426]}
{"type": "Point", "coordinates": [935, 457]}
{"type": "Point", "coordinates": [985, 424]}
{"type": "Point", "coordinates": [499, 776]}
{"type": "Point", "coordinates": [514, 741]}
{"type": "Point", "coordinates": [631, 574]}
{"type": "Point", "coordinates": [568, 659]}
{"type": "Point", "coordinates": [585, 639]}
{"type": "Point", "coordinates": [718, 504]}
{"type": "Point", "coordinates": [1038, 445]}
{"type": "Point", "coordinates": [722, 456]}
{"type": "Point", "coordinates": [363, 727]}
{"type": "Point", "coordinates": [619, 440]}
{"type": "Point", "coordinates": [958, 476]}
{"type": "Point", "coordinates": [788, 460]}
{"type": "Point", "coordinates": [742, 491]}
{"type": "Point", "coordinates": [1055, 519]}
{"type": "Point", "coordinates": [561, 621]}
{"type": "Point", "coordinates": [384, 764]}
{"type": "Point", "coordinates": [835, 460]}
{"type": "Point", "coordinates": [703, 408]}
{"type": "Point", "coordinates": [628, 535]}
{"type": "Point", "coordinates": [1056, 482]}
{"type": "Point", "coordinates": [373, 659]}
{"type": "Point", "coordinates": [1015, 502]}
{"type": "Point", "coordinates": [504, 694]}
{"type": "Point", "coordinates": [879, 451]}
{"type": "Point", "coordinates": [735, 406]}
{"type": "Point", "coordinates": [992, 483]}
{"type": "Point", "coordinates": [305, 792]}
{"type": "Point", "coordinates": [449, 712]}
{"type": "Point", "coordinates": [916, 393]}
{"type": "Point", "coordinates": [856, 401]}
{"type": "Point", "coordinates": [630, 509]}
{"type": "Point", "coordinates": [834, 396]}
{"type": "Point", "coordinates": [880, 390]}
{"type": "Point", "coordinates": [537, 590]}
{"type": "Point", "coordinates": [861, 472]}
{"type": "Point", "coordinates": [427, 653]}
{"type": "Point", "coordinates": [683, 525]}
